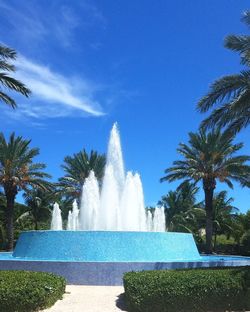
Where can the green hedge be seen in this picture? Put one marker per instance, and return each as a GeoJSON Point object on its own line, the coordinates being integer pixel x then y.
{"type": "Point", "coordinates": [23, 291]}
{"type": "Point", "coordinates": [188, 290]}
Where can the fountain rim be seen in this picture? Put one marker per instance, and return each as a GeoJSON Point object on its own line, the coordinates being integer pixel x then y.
{"type": "Point", "coordinates": [105, 231]}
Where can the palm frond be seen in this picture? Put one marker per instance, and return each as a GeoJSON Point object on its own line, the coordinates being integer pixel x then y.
{"type": "Point", "coordinates": [246, 18]}
{"type": "Point", "coordinates": [77, 168]}
{"type": "Point", "coordinates": [239, 44]}
{"type": "Point", "coordinates": [234, 114]}
{"type": "Point", "coordinates": [224, 88]}
{"type": "Point", "coordinates": [8, 82]}
{"type": "Point", "coordinates": [6, 66]}
{"type": "Point", "coordinates": [7, 53]}
{"type": "Point", "coordinates": [17, 169]}
{"type": "Point", "coordinates": [210, 156]}
{"type": "Point", "coordinates": [7, 100]}
{"type": "Point", "coordinates": [14, 84]}
{"type": "Point", "coordinates": [229, 96]}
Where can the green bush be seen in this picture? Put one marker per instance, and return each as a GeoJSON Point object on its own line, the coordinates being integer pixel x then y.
{"type": "Point", "coordinates": [23, 291]}
{"type": "Point", "coordinates": [188, 290]}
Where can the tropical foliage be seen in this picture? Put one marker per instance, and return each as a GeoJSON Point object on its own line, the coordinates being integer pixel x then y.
{"type": "Point", "coordinates": [210, 157]}
{"type": "Point", "coordinates": [223, 215]}
{"type": "Point", "coordinates": [39, 206]}
{"type": "Point", "coordinates": [18, 172]}
{"type": "Point", "coordinates": [230, 95]}
{"type": "Point", "coordinates": [77, 169]}
{"type": "Point", "coordinates": [7, 56]}
{"type": "Point", "coordinates": [181, 210]}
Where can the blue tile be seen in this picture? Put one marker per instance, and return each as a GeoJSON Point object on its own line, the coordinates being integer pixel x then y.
{"type": "Point", "coordinates": [106, 246]}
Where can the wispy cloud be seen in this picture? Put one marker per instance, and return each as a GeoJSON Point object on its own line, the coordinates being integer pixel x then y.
{"type": "Point", "coordinates": [54, 95]}
{"type": "Point", "coordinates": [59, 33]}
{"type": "Point", "coordinates": [58, 21]}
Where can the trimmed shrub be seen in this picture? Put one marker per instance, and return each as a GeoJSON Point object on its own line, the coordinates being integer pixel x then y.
{"type": "Point", "coordinates": [24, 291]}
{"type": "Point", "coordinates": [188, 290]}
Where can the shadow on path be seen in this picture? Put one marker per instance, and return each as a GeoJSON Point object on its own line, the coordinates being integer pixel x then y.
{"type": "Point", "coordinates": [121, 303]}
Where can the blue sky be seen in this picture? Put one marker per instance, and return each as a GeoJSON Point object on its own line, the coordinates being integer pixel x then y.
{"type": "Point", "coordinates": [144, 64]}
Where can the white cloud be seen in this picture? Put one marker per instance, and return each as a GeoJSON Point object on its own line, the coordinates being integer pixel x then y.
{"type": "Point", "coordinates": [54, 95]}
{"type": "Point", "coordinates": [58, 21]}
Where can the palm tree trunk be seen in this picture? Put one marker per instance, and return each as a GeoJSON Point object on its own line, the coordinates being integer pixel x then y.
{"type": "Point", "coordinates": [215, 239]}
{"type": "Point", "coordinates": [36, 225]}
{"type": "Point", "coordinates": [10, 198]}
{"type": "Point", "coordinates": [209, 186]}
{"type": "Point", "coordinates": [209, 231]}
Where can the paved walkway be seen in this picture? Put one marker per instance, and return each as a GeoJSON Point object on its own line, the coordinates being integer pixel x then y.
{"type": "Point", "coordinates": [90, 299]}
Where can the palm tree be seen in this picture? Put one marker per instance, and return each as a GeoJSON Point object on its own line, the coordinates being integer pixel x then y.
{"type": "Point", "coordinates": [19, 209]}
{"type": "Point", "coordinates": [172, 207]}
{"type": "Point", "coordinates": [240, 226]}
{"type": "Point", "coordinates": [230, 95]}
{"type": "Point", "coordinates": [39, 203]}
{"type": "Point", "coordinates": [209, 158]}
{"type": "Point", "coordinates": [18, 172]}
{"type": "Point", "coordinates": [7, 82]}
{"type": "Point", "coordinates": [77, 169]}
{"type": "Point", "coordinates": [223, 214]}
{"type": "Point", "coordinates": [181, 208]}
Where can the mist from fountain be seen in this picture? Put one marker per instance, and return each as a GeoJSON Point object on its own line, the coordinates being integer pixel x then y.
{"type": "Point", "coordinates": [119, 204]}
{"type": "Point", "coordinates": [56, 222]}
{"type": "Point", "coordinates": [159, 224]}
{"type": "Point", "coordinates": [149, 221]}
{"type": "Point", "coordinates": [156, 221]}
{"type": "Point", "coordinates": [75, 217]}
{"type": "Point", "coordinates": [70, 221]}
{"type": "Point", "coordinates": [90, 204]}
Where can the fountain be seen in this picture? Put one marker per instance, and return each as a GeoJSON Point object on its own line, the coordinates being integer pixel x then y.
{"type": "Point", "coordinates": [118, 205]}
{"type": "Point", "coordinates": [56, 222]}
{"type": "Point", "coordinates": [109, 234]}
{"type": "Point", "coordinates": [73, 219]}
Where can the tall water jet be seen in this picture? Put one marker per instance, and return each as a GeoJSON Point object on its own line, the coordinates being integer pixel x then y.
{"type": "Point", "coordinates": [90, 204]}
{"type": "Point", "coordinates": [140, 202]}
{"type": "Point", "coordinates": [110, 201]}
{"type": "Point", "coordinates": [56, 222]}
{"type": "Point", "coordinates": [128, 208]}
{"type": "Point", "coordinates": [115, 159]}
{"type": "Point", "coordinates": [132, 210]}
{"type": "Point", "coordinates": [73, 218]}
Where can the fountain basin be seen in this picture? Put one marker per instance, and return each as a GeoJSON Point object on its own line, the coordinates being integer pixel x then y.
{"type": "Point", "coordinates": [106, 246]}
{"type": "Point", "coordinates": [101, 258]}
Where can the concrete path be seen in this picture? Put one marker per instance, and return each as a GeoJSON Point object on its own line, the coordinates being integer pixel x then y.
{"type": "Point", "coordinates": [90, 299]}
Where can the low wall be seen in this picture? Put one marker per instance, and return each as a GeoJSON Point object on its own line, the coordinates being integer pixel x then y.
{"type": "Point", "coordinates": [105, 273]}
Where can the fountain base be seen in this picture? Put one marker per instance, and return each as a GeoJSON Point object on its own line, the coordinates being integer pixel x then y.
{"type": "Point", "coordinates": [106, 246]}
{"type": "Point", "coordinates": [101, 258]}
